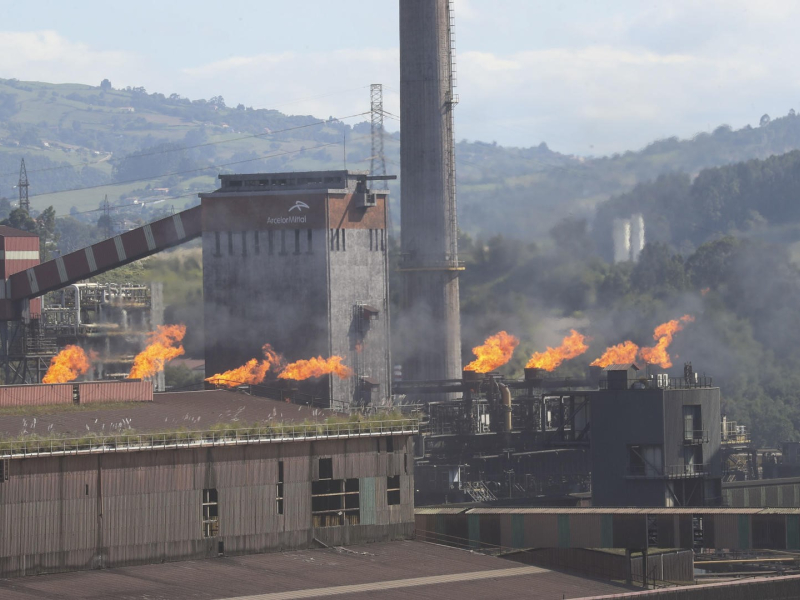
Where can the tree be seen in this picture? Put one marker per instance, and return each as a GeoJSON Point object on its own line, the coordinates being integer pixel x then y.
{"type": "Point", "coordinates": [105, 85]}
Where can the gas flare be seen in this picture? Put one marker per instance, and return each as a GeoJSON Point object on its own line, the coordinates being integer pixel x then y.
{"type": "Point", "coordinates": [494, 353]}
{"type": "Point", "coordinates": [252, 372]}
{"type": "Point", "coordinates": [67, 365]}
{"type": "Point", "coordinates": [573, 345]}
{"type": "Point", "coordinates": [658, 355]}
{"type": "Point", "coordinates": [615, 355]}
{"type": "Point", "coordinates": [164, 344]}
{"type": "Point", "coordinates": [316, 367]}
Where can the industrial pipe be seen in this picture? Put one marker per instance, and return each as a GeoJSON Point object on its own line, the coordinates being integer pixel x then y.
{"type": "Point", "coordinates": [505, 400]}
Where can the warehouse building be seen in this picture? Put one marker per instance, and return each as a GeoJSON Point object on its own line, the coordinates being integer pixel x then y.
{"type": "Point", "coordinates": [195, 481]}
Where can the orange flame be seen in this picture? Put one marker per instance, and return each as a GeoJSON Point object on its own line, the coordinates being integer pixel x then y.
{"type": "Point", "coordinates": [621, 353]}
{"type": "Point", "coordinates": [67, 365]}
{"type": "Point", "coordinates": [316, 367]}
{"type": "Point", "coordinates": [704, 291]}
{"type": "Point", "coordinates": [164, 344]}
{"type": "Point", "coordinates": [573, 345]}
{"type": "Point", "coordinates": [658, 355]}
{"type": "Point", "coordinates": [494, 353]}
{"type": "Point", "coordinates": [252, 372]}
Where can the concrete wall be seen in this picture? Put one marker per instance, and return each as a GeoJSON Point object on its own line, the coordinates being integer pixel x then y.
{"type": "Point", "coordinates": [359, 275]}
{"type": "Point", "coordinates": [85, 512]}
{"type": "Point", "coordinates": [254, 298]}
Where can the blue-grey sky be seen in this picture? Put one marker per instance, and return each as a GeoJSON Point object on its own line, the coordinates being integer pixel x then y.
{"type": "Point", "coordinates": [587, 77]}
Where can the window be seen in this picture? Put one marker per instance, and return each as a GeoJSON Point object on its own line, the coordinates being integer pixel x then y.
{"type": "Point", "coordinates": [255, 243]}
{"type": "Point", "coordinates": [383, 240]}
{"type": "Point", "coordinates": [283, 241]}
{"type": "Point", "coordinates": [310, 248]}
{"type": "Point", "coordinates": [378, 444]}
{"type": "Point", "coordinates": [5, 467]}
{"type": "Point", "coordinates": [326, 468]}
{"type": "Point", "coordinates": [217, 251]}
{"type": "Point", "coordinates": [692, 424]}
{"type": "Point", "coordinates": [279, 488]}
{"type": "Point", "coordinates": [393, 490]}
{"type": "Point", "coordinates": [334, 240]}
{"type": "Point", "coordinates": [210, 513]}
{"type": "Point", "coordinates": [335, 502]}
{"type": "Point", "coordinates": [270, 236]}
{"type": "Point", "coordinates": [230, 242]}
{"type": "Point", "coordinates": [344, 240]}
{"type": "Point", "coordinates": [244, 243]}
{"type": "Point", "coordinates": [390, 444]}
{"type": "Point", "coordinates": [297, 241]}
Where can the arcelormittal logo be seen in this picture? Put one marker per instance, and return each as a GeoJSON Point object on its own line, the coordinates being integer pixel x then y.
{"type": "Point", "coordinates": [299, 206]}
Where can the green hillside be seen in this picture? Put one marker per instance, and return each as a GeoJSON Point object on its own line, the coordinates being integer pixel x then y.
{"type": "Point", "coordinates": [141, 148]}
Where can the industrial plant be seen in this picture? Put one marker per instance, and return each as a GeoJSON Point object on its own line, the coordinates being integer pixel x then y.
{"type": "Point", "coordinates": [302, 444]}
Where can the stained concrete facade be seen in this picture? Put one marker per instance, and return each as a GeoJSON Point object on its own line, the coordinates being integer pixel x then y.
{"type": "Point", "coordinates": [299, 261]}
{"type": "Point", "coordinates": [431, 314]}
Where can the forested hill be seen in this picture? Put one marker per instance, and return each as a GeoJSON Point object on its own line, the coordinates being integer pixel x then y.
{"type": "Point", "coordinates": [127, 143]}
{"type": "Point", "coordinates": [754, 199]}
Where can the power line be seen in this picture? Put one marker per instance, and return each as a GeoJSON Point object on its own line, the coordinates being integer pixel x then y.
{"type": "Point", "coordinates": [203, 145]}
{"type": "Point", "coordinates": [142, 179]}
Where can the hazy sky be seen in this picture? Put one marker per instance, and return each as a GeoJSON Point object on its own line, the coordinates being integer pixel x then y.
{"type": "Point", "coordinates": [585, 77]}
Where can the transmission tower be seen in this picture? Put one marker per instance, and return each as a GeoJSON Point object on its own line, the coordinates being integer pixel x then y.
{"type": "Point", "coordinates": [23, 188]}
{"type": "Point", "coordinates": [377, 165]}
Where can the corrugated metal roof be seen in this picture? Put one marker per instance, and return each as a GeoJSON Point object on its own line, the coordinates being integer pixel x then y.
{"type": "Point", "coordinates": [188, 410]}
{"type": "Point", "coordinates": [435, 510]}
{"type": "Point", "coordinates": [622, 367]}
{"type": "Point", "coordinates": [700, 510]}
{"type": "Point", "coordinates": [6, 231]}
{"type": "Point", "coordinates": [391, 570]}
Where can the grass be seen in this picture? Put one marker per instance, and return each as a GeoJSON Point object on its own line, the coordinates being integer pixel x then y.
{"type": "Point", "coordinates": [37, 411]}
{"type": "Point", "coordinates": [217, 432]}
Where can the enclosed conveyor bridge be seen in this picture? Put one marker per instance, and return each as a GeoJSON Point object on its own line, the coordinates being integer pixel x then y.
{"type": "Point", "coordinates": [96, 259]}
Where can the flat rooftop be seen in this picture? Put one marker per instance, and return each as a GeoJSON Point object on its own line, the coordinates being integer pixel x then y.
{"type": "Point", "coordinates": [170, 410]}
{"type": "Point", "coordinates": [388, 570]}
{"type": "Point", "coordinates": [179, 420]}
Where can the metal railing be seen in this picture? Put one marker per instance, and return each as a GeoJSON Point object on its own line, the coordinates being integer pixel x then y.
{"type": "Point", "coordinates": [697, 436]}
{"type": "Point", "coordinates": [691, 470]}
{"type": "Point", "coordinates": [133, 442]}
{"type": "Point", "coordinates": [669, 472]}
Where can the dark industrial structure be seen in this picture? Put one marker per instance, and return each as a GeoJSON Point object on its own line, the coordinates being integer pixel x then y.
{"type": "Point", "coordinates": [299, 261]}
{"type": "Point", "coordinates": [655, 442]}
{"type": "Point", "coordinates": [120, 499]}
{"type": "Point", "coordinates": [631, 439]}
{"type": "Point", "coordinates": [429, 233]}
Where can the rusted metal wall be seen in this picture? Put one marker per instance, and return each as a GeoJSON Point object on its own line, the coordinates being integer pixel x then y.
{"type": "Point", "coordinates": [763, 492]}
{"type": "Point", "coordinates": [35, 395]}
{"type": "Point", "coordinates": [82, 512]}
{"type": "Point", "coordinates": [534, 528]}
{"type": "Point", "coordinates": [115, 391]}
{"type": "Point", "coordinates": [674, 566]}
{"type": "Point", "coordinates": [773, 588]}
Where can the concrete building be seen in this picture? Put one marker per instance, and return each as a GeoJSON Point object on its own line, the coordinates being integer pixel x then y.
{"type": "Point", "coordinates": [114, 499]}
{"type": "Point", "coordinates": [299, 261]}
{"type": "Point", "coordinates": [655, 442]}
{"type": "Point", "coordinates": [430, 265]}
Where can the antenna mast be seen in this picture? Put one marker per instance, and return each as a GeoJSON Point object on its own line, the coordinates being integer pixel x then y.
{"type": "Point", "coordinates": [23, 188]}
